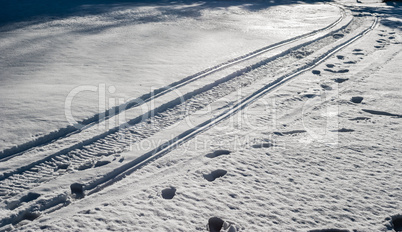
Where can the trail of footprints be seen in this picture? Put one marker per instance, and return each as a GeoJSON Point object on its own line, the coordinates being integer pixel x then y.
{"type": "Point", "coordinates": [105, 150]}
{"type": "Point", "coordinates": [215, 224]}
{"type": "Point", "coordinates": [385, 39]}
{"type": "Point", "coordinates": [393, 223]}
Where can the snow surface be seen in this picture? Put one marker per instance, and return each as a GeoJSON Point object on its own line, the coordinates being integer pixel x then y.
{"type": "Point", "coordinates": [320, 152]}
{"type": "Point", "coordinates": [130, 48]}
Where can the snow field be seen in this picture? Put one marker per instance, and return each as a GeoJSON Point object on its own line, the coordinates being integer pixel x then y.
{"type": "Point", "coordinates": [317, 153]}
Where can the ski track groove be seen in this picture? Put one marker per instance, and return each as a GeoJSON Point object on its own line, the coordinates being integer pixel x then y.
{"type": "Point", "coordinates": [98, 118]}
{"type": "Point", "coordinates": [78, 156]}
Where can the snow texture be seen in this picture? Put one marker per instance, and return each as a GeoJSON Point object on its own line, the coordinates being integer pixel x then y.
{"type": "Point", "coordinates": [282, 116]}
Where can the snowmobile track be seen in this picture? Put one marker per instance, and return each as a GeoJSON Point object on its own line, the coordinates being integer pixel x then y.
{"type": "Point", "coordinates": [110, 142]}
{"type": "Point", "coordinates": [120, 173]}
{"type": "Point", "coordinates": [81, 156]}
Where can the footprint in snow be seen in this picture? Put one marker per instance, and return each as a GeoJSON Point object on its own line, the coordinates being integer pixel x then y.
{"type": "Point", "coordinates": [338, 36]}
{"type": "Point", "coordinates": [77, 189]}
{"type": "Point", "coordinates": [357, 99]}
{"type": "Point", "coordinates": [262, 145]}
{"type": "Point", "coordinates": [396, 223]}
{"type": "Point", "coordinates": [340, 57]}
{"type": "Point", "coordinates": [340, 80]}
{"type": "Point", "coordinates": [360, 119]}
{"type": "Point", "coordinates": [216, 224]}
{"type": "Point", "coordinates": [337, 71]}
{"type": "Point", "coordinates": [383, 113]}
{"type": "Point", "coordinates": [169, 193]}
{"type": "Point", "coordinates": [350, 62]}
{"type": "Point", "coordinates": [343, 130]}
{"type": "Point", "coordinates": [316, 72]}
{"type": "Point", "coordinates": [326, 87]}
{"type": "Point", "coordinates": [329, 230]}
{"type": "Point", "coordinates": [217, 153]}
{"type": "Point", "coordinates": [358, 51]}
{"type": "Point", "coordinates": [343, 70]}
{"type": "Point", "coordinates": [290, 132]}
{"type": "Point", "coordinates": [215, 175]}
{"type": "Point", "coordinates": [309, 95]}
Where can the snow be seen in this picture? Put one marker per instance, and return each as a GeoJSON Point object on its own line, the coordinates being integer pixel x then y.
{"type": "Point", "coordinates": [151, 46]}
{"type": "Point", "coordinates": [303, 137]}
